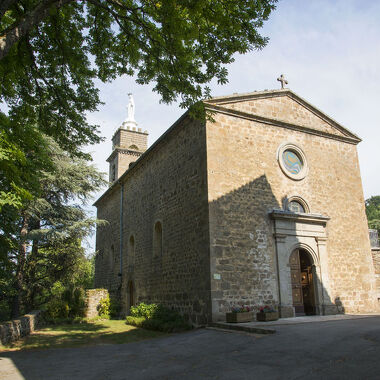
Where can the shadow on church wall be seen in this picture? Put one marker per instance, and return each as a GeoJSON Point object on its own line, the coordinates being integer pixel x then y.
{"type": "Point", "coordinates": [250, 251]}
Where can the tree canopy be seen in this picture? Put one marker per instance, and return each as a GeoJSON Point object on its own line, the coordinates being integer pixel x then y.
{"type": "Point", "coordinates": [51, 50]}
{"type": "Point", "coordinates": [373, 212]}
{"type": "Point", "coordinates": [40, 243]}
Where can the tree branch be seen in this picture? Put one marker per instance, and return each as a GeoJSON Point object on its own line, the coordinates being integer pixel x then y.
{"type": "Point", "coordinates": [23, 26]}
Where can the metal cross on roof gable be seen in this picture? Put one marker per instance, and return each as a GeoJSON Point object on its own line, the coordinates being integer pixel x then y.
{"type": "Point", "coordinates": [282, 80]}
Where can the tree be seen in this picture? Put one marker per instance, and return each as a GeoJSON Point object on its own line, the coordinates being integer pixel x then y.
{"type": "Point", "coordinates": [372, 207]}
{"type": "Point", "coordinates": [43, 244]}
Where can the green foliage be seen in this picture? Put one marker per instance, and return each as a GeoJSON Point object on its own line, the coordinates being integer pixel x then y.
{"type": "Point", "coordinates": [135, 321]}
{"type": "Point", "coordinates": [144, 310]}
{"type": "Point", "coordinates": [67, 303]}
{"type": "Point", "coordinates": [179, 45]}
{"type": "Point", "coordinates": [104, 307]}
{"type": "Point", "coordinates": [57, 308]}
{"type": "Point", "coordinates": [53, 225]}
{"type": "Point", "coordinates": [157, 317]}
{"type": "Point", "coordinates": [373, 212]}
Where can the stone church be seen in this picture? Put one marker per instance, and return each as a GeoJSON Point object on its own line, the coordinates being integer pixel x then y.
{"type": "Point", "coordinates": [261, 206]}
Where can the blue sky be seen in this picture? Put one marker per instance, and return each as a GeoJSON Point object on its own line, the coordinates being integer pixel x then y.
{"type": "Point", "coordinates": [328, 50]}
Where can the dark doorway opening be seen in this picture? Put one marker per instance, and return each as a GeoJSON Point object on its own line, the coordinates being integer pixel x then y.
{"type": "Point", "coordinates": [302, 277]}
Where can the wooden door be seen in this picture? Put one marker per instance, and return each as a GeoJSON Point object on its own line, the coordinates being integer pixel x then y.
{"type": "Point", "coordinates": [295, 274]}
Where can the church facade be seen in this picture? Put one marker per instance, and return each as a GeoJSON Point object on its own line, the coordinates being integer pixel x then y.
{"type": "Point", "coordinates": [261, 206]}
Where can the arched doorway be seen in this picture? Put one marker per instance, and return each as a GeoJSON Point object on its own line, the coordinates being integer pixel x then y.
{"type": "Point", "coordinates": [302, 279]}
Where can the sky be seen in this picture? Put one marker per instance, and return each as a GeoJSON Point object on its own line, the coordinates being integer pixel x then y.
{"type": "Point", "coordinates": [329, 51]}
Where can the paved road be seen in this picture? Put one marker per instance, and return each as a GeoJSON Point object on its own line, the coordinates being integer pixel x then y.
{"type": "Point", "coordinates": [345, 349]}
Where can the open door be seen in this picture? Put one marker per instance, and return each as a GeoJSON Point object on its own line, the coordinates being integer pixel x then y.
{"type": "Point", "coordinates": [301, 272]}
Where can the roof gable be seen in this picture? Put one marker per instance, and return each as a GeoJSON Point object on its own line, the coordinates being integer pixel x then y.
{"type": "Point", "coordinates": [283, 106]}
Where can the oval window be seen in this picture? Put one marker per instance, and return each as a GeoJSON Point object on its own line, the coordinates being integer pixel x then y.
{"type": "Point", "coordinates": [292, 161]}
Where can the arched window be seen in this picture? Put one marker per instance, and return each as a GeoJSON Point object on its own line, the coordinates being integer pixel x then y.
{"type": "Point", "coordinates": [296, 204]}
{"type": "Point", "coordinates": [134, 147]}
{"type": "Point", "coordinates": [157, 240]}
{"type": "Point", "coordinates": [131, 250]}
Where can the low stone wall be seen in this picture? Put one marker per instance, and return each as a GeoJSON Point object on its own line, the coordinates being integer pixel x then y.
{"type": "Point", "coordinates": [93, 297]}
{"type": "Point", "coordinates": [13, 330]}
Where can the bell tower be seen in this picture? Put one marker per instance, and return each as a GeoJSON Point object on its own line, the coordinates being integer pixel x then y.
{"type": "Point", "coordinates": [128, 144]}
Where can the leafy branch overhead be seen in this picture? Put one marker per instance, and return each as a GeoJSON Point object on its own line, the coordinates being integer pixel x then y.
{"type": "Point", "coordinates": [55, 48]}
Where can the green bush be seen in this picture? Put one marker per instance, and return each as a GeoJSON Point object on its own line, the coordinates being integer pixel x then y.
{"type": "Point", "coordinates": [104, 307]}
{"type": "Point", "coordinates": [135, 321]}
{"type": "Point", "coordinates": [66, 302]}
{"type": "Point", "coordinates": [157, 317]}
{"type": "Point", "coordinates": [144, 310]}
{"type": "Point", "coordinates": [57, 308]}
{"type": "Point", "coordinates": [75, 298]}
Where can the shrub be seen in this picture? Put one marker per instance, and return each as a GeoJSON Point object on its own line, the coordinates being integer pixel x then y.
{"type": "Point", "coordinates": [135, 321]}
{"type": "Point", "coordinates": [56, 308]}
{"type": "Point", "coordinates": [144, 310]}
{"type": "Point", "coordinates": [104, 307]}
{"type": "Point", "coordinates": [157, 317]}
{"type": "Point", "coordinates": [66, 302]}
{"type": "Point", "coordinates": [75, 298]}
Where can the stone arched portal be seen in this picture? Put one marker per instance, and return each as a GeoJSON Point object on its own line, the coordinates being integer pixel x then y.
{"type": "Point", "coordinates": [306, 233]}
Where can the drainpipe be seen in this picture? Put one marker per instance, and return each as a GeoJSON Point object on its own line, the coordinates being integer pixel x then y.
{"type": "Point", "coordinates": [121, 229]}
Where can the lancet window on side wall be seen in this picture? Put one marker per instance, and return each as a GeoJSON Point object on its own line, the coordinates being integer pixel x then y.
{"type": "Point", "coordinates": [157, 239]}
{"type": "Point", "coordinates": [131, 250]}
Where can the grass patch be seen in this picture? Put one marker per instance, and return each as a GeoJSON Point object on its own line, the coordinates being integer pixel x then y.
{"type": "Point", "coordinates": [88, 333]}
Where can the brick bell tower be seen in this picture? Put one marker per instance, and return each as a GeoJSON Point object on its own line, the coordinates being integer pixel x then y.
{"type": "Point", "coordinates": [128, 144]}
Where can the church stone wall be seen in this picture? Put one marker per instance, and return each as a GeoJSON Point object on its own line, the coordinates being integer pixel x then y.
{"type": "Point", "coordinates": [168, 186]}
{"type": "Point", "coordinates": [245, 181]}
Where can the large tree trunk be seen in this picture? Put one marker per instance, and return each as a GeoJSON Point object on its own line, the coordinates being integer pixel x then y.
{"type": "Point", "coordinates": [19, 283]}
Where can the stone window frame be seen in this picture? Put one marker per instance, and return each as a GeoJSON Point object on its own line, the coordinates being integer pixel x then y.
{"type": "Point", "coordinates": [293, 147]}
{"type": "Point", "coordinates": [159, 244]}
{"type": "Point", "coordinates": [300, 200]}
